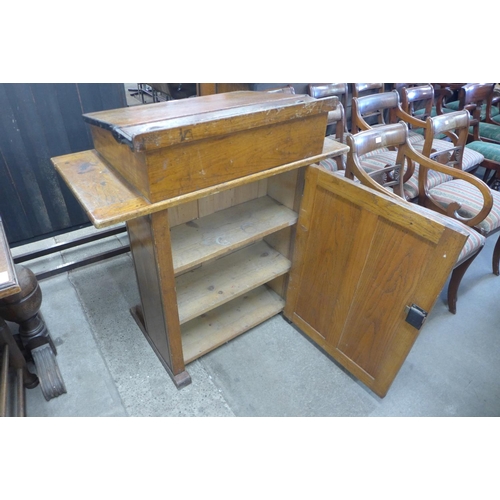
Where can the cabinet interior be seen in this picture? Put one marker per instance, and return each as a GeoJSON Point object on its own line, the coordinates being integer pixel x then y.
{"type": "Point", "coordinates": [231, 255]}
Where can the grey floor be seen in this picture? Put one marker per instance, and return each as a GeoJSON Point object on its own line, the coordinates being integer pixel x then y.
{"type": "Point", "coordinates": [110, 370]}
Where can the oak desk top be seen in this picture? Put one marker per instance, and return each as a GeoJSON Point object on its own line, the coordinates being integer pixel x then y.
{"type": "Point", "coordinates": [8, 278]}
{"type": "Point", "coordinates": [108, 199]}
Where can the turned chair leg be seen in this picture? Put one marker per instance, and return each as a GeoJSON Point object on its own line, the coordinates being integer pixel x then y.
{"type": "Point", "coordinates": [496, 258]}
{"type": "Point", "coordinates": [456, 278]}
{"type": "Point", "coordinates": [23, 308]}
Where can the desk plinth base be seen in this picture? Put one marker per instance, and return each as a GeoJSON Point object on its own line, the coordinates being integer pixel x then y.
{"type": "Point", "coordinates": [181, 379]}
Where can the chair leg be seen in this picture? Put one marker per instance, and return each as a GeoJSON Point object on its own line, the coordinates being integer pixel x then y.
{"type": "Point", "coordinates": [456, 277]}
{"type": "Point", "coordinates": [496, 258]}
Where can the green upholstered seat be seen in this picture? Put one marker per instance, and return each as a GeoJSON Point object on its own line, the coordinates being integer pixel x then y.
{"type": "Point", "coordinates": [489, 150]}
{"type": "Point", "coordinates": [420, 112]}
{"type": "Point", "coordinates": [488, 131]}
{"type": "Point", "coordinates": [455, 106]}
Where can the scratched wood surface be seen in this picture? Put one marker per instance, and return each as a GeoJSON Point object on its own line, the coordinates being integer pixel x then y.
{"type": "Point", "coordinates": [165, 124]}
{"type": "Point", "coordinates": [108, 199]}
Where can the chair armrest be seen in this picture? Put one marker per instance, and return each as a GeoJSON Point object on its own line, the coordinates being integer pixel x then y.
{"type": "Point", "coordinates": [440, 97]}
{"type": "Point", "coordinates": [409, 119]}
{"type": "Point", "coordinates": [495, 102]}
{"type": "Point", "coordinates": [452, 209]}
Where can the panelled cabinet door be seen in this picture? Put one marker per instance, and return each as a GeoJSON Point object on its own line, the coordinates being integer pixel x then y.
{"type": "Point", "coordinates": [366, 269]}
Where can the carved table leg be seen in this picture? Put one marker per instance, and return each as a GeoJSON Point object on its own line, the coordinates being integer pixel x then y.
{"type": "Point", "coordinates": [23, 308]}
{"type": "Point", "coordinates": [13, 357]}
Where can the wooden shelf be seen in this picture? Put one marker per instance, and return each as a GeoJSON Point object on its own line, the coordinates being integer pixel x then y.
{"type": "Point", "coordinates": [224, 279]}
{"type": "Point", "coordinates": [227, 230]}
{"type": "Point", "coordinates": [212, 329]}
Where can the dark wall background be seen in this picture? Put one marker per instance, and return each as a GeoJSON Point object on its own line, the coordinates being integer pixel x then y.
{"type": "Point", "coordinates": [37, 122]}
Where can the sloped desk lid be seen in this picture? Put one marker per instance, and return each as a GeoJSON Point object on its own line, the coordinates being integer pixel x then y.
{"type": "Point", "coordinates": [154, 126]}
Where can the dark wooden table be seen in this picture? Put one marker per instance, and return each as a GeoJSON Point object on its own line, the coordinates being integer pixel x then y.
{"type": "Point", "coordinates": [8, 278]}
{"type": "Point", "coordinates": [11, 355]}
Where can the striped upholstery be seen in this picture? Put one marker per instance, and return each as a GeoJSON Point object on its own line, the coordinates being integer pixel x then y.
{"type": "Point", "coordinates": [379, 158]}
{"type": "Point", "coordinates": [375, 162]}
{"type": "Point", "coordinates": [372, 163]}
{"type": "Point", "coordinates": [329, 164]}
{"type": "Point", "coordinates": [455, 106]}
{"type": "Point", "coordinates": [489, 150]}
{"type": "Point", "coordinates": [433, 179]}
{"type": "Point", "coordinates": [470, 160]}
{"type": "Point", "coordinates": [474, 242]}
{"type": "Point", "coordinates": [471, 157]}
{"type": "Point", "coordinates": [470, 200]}
{"type": "Point", "coordinates": [415, 136]}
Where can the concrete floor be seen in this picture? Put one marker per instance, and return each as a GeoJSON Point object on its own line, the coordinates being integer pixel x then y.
{"type": "Point", "coordinates": [271, 371]}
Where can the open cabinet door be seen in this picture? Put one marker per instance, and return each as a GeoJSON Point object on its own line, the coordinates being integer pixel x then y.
{"type": "Point", "coordinates": [366, 269]}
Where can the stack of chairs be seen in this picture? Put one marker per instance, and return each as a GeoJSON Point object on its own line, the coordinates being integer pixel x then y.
{"type": "Point", "coordinates": [402, 167]}
{"type": "Point", "coordinates": [396, 136]}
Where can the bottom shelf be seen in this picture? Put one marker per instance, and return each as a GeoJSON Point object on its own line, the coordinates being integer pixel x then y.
{"type": "Point", "coordinates": [216, 327]}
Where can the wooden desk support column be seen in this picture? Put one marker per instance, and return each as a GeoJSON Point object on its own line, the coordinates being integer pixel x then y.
{"type": "Point", "coordinates": [158, 317]}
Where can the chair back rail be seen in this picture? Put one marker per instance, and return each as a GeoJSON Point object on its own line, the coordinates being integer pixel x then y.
{"type": "Point", "coordinates": [397, 135]}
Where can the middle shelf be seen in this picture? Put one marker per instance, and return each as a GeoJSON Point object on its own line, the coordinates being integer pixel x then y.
{"type": "Point", "coordinates": [222, 232]}
{"type": "Point", "coordinates": [224, 279]}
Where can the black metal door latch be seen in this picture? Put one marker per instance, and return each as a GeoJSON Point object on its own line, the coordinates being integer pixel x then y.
{"type": "Point", "coordinates": [416, 316]}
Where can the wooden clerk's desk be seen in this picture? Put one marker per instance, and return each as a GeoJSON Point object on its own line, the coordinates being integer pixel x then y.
{"type": "Point", "coordinates": [219, 200]}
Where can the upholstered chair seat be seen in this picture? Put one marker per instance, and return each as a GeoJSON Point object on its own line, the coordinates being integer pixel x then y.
{"type": "Point", "coordinates": [470, 202]}
{"type": "Point", "coordinates": [455, 106]}
{"type": "Point", "coordinates": [489, 150]}
{"type": "Point", "coordinates": [488, 131]}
